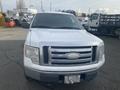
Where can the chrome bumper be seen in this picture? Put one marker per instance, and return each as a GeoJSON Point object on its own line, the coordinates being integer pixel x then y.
{"type": "Point", "coordinates": [63, 70]}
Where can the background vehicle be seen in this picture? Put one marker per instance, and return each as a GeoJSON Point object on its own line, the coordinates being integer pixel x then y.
{"type": "Point", "coordinates": [104, 24]}
{"type": "Point", "coordinates": [22, 17]}
{"type": "Point", "coordinates": [70, 11]}
{"type": "Point", "coordinates": [26, 20]}
{"type": "Point", "coordinates": [84, 21]}
{"type": "Point", "coordinates": [58, 49]}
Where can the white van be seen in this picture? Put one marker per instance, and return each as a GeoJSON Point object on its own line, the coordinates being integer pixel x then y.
{"type": "Point", "coordinates": [58, 49]}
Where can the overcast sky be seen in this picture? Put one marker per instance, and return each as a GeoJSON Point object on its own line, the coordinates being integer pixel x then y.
{"type": "Point", "coordinates": [82, 5]}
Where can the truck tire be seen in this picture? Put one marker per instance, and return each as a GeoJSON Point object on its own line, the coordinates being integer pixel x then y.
{"type": "Point", "coordinates": [28, 78]}
{"type": "Point", "coordinates": [117, 33]}
{"type": "Point", "coordinates": [103, 31]}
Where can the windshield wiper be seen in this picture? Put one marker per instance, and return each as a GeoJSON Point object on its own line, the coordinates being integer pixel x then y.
{"type": "Point", "coordinates": [42, 26]}
{"type": "Point", "coordinates": [68, 27]}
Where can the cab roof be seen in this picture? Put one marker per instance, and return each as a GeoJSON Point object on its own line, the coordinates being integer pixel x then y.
{"type": "Point", "coordinates": [56, 13]}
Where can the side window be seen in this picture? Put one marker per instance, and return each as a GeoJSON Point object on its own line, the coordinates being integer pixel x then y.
{"type": "Point", "coordinates": [94, 17]}
{"type": "Point", "coordinates": [72, 20]}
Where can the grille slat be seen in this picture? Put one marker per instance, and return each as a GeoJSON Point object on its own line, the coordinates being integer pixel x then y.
{"type": "Point", "coordinates": [79, 61]}
{"type": "Point", "coordinates": [70, 59]}
{"type": "Point", "coordinates": [64, 55]}
{"type": "Point", "coordinates": [71, 50]}
{"type": "Point", "coordinates": [69, 47]}
{"type": "Point", "coordinates": [68, 52]}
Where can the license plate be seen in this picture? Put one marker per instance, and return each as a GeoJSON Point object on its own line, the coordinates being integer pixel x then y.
{"type": "Point", "coordinates": [71, 79]}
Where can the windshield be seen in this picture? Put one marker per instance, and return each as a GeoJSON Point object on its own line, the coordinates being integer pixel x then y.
{"type": "Point", "coordinates": [59, 21]}
{"type": "Point", "coordinates": [94, 16]}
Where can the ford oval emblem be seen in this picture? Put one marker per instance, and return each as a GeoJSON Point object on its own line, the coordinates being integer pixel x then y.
{"type": "Point", "coordinates": [73, 56]}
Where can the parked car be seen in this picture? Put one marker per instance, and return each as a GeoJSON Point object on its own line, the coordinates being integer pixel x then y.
{"type": "Point", "coordinates": [9, 22]}
{"type": "Point", "coordinates": [26, 20]}
{"type": "Point", "coordinates": [84, 21]}
{"type": "Point", "coordinates": [70, 11]}
{"type": "Point", "coordinates": [58, 49]}
{"type": "Point", "coordinates": [24, 23]}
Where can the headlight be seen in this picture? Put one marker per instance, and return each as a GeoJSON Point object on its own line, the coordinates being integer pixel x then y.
{"type": "Point", "coordinates": [32, 53]}
{"type": "Point", "coordinates": [101, 51]}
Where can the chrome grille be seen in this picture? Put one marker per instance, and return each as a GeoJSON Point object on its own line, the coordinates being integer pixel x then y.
{"type": "Point", "coordinates": [56, 55]}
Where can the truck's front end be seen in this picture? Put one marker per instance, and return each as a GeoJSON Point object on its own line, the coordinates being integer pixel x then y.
{"type": "Point", "coordinates": [60, 50]}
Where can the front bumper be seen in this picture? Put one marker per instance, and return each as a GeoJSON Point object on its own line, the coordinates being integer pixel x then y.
{"type": "Point", "coordinates": [37, 71]}
{"type": "Point", "coordinates": [57, 78]}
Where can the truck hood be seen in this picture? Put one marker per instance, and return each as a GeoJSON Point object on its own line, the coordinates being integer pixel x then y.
{"type": "Point", "coordinates": [64, 37]}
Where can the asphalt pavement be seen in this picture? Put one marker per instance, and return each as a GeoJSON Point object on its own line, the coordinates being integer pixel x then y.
{"type": "Point", "coordinates": [12, 72]}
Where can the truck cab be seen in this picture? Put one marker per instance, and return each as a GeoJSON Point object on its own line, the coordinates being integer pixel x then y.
{"type": "Point", "coordinates": [94, 20]}
{"type": "Point", "coordinates": [59, 49]}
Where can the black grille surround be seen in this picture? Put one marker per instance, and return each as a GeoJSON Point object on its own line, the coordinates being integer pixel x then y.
{"type": "Point", "coordinates": [55, 55]}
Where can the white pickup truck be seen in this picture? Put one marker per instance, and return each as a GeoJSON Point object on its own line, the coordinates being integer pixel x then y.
{"type": "Point", "coordinates": [58, 49]}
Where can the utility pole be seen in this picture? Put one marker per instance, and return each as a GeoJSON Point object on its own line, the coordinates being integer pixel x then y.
{"type": "Point", "coordinates": [20, 4]}
{"type": "Point", "coordinates": [89, 11]}
{"type": "Point", "coordinates": [1, 9]}
{"type": "Point", "coordinates": [50, 5]}
{"type": "Point", "coordinates": [42, 6]}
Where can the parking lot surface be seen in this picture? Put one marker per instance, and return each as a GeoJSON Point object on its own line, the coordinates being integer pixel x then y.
{"type": "Point", "coordinates": [12, 72]}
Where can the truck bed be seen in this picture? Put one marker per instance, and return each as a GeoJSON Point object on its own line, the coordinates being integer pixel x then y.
{"type": "Point", "coordinates": [110, 20]}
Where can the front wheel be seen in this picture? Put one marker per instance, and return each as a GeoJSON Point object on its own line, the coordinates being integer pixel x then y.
{"type": "Point", "coordinates": [27, 77]}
